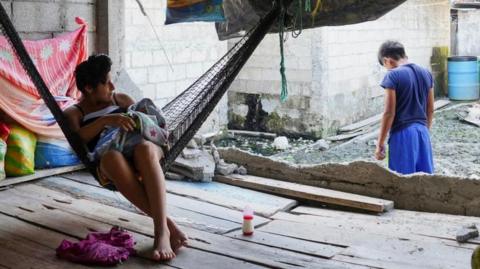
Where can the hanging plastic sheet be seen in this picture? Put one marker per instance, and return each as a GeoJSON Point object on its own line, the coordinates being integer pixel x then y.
{"type": "Point", "coordinates": [194, 10]}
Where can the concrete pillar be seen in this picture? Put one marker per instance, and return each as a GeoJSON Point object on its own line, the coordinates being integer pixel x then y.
{"type": "Point", "coordinates": [111, 31]}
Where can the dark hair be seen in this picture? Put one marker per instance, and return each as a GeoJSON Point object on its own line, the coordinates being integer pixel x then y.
{"type": "Point", "coordinates": [92, 71]}
{"type": "Point", "coordinates": [391, 49]}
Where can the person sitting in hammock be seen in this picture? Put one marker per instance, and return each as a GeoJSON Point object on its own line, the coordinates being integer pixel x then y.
{"type": "Point", "coordinates": [137, 174]}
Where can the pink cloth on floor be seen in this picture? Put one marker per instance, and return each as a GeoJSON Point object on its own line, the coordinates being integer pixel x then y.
{"type": "Point", "coordinates": [104, 249]}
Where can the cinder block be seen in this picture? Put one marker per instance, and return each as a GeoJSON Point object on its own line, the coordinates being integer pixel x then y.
{"type": "Point", "coordinates": [178, 72]}
{"type": "Point", "coordinates": [157, 74]}
{"type": "Point", "coordinates": [141, 58]}
{"type": "Point", "coordinates": [149, 91]}
{"type": "Point", "coordinates": [138, 75]}
{"type": "Point", "coordinates": [32, 16]}
{"type": "Point", "coordinates": [166, 90]}
{"type": "Point", "coordinates": [160, 58]}
{"type": "Point", "coordinates": [194, 70]}
{"type": "Point", "coordinates": [7, 5]}
{"type": "Point", "coordinates": [85, 11]}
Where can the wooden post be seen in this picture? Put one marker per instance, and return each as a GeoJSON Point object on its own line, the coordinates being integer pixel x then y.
{"type": "Point", "coordinates": [111, 31]}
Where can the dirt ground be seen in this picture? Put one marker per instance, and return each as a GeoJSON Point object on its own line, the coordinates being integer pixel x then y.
{"type": "Point", "coordinates": [455, 144]}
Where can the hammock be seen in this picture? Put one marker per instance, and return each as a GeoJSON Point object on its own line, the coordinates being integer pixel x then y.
{"type": "Point", "coordinates": [185, 114]}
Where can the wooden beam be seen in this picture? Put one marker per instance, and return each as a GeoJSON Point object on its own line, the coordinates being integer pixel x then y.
{"type": "Point", "coordinates": [355, 127]}
{"type": "Point", "coordinates": [310, 193]}
{"type": "Point", "coordinates": [40, 174]}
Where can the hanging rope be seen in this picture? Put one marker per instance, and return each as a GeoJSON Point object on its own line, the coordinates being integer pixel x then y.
{"type": "Point", "coordinates": [298, 18]}
{"type": "Point", "coordinates": [142, 9]}
{"type": "Point", "coordinates": [281, 32]}
{"type": "Point", "coordinates": [318, 6]}
{"type": "Point", "coordinates": [308, 6]}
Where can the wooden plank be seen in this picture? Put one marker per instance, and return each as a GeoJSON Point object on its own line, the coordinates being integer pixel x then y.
{"type": "Point", "coordinates": [288, 243]}
{"type": "Point", "coordinates": [102, 195]}
{"type": "Point", "coordinates": [345, 136]}
{"type": "Point", "coordinates": [252, 133]}
{"type": "Point", "coordinates": [231, 196]}
{"type": "Point", "coordinates": [29, 254]}
{"type": "Point", "coordinates": [362, 123]}
{"type": "Point", "coordinates": [40, 174]}
{"type": "Point", "coordinates": [403, 222]}
{"type": "Point", "coordinates": [396, 250]}
{"type": "Point", "coordinates": [50, 239]}
{"type": "Point", "coordinates": [83, 219]}
{"type": "Point", "coordinates": [184, 202]}
{"type": "Point", "coordinates": [441, 104]}
{"type": "Point", "coordinates": [376, 119]}
{"type": "Point", "coordinates": [78, 227]}
{"type": "Point", "coordinates": [309, 193]}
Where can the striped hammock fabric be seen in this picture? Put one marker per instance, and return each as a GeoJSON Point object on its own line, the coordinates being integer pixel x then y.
{"type": "Point", "coordinates": [56, 60]}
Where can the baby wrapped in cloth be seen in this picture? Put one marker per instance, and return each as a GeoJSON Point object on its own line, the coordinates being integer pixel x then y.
{"type": "Point", "coordinates": [150, 125]}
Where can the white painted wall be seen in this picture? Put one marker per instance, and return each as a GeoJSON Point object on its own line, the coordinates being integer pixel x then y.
{"type": "Point", "coordinates": [191, 48]}
{"type": "Point", "coordinates": [467, 36]}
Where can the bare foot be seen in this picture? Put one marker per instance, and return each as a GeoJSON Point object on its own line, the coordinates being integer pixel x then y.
{"type": "Point", "coordinates": [162, 250]}
{"type": "Point", "coordinates": [177, 237]}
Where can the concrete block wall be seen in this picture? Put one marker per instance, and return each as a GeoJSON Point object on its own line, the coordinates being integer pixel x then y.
{"type": "Point", "coordinates": [467, 38]}
{"type": "Point", "coordinates": [190, 48]}
{"type": "Point", "coordinates": [261, 77]}
{"type": "Point", "coordinates": [350, 92]}
{"type": "Point", "coordinates": [39, 19]}
{"type": "Point", "coordinates": [333, 73]}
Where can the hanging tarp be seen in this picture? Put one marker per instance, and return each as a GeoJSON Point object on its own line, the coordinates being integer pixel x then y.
{"type": "Point", "coordinates": [314, 13]}
{"type": "Point", "coordinates": [194, 10]}
{"type": "Point", "coordinates": [56, 60]}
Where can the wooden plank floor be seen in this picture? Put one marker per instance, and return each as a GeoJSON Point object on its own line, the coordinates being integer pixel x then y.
{"type": "Point", "coordinates": [36, 216]}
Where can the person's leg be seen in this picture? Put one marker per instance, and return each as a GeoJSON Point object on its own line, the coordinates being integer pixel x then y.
{"type": "Point", "coordinates": [114, 165]}
{"type": "Point", "coordinates": [425, 156]}
{"type": "Point", "coordinates": [402, 153]}
{"type": "Point", "coordinates": [147, 161]}
{"type": "Point", "coordinates": [117, 169]}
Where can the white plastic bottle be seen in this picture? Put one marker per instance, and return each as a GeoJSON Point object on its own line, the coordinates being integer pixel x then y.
{"type": "Point", "coordinates": [247, 227]}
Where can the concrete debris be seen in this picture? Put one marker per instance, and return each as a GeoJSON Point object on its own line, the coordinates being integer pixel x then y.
{"type": "Point", "coordinates": [215, 154]}
{"type": "Point", "coordinates": [321, 144]}
{"type": "Point", "coordinates": [241, 170]}
{"type": "Point", "coordinates": [200, 168]}
{"type": "Point", "coordinates": [225, 169]}
{"type": "Point", "coordinates": [202, 139]}
{"type": "Point", "coordinates": [474, 176]}
{"type": "Point", "coordinates": [174, 176]}
{"type": "Point", "coordinates": [281, 143]}
{"type": "Point", "coordinates": [192, 144]}
{"type": "Point", "coordinates": [190, 153]}
{"type": "Point", "coordinates": [466, 233]}
{"type": "Point", "coordinates": [473, 116]}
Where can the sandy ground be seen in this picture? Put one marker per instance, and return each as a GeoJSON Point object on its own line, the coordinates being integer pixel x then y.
{"type": "Point", "coordinates": [456, 147]}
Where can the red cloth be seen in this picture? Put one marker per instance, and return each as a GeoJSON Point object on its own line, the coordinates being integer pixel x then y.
{"type": "Point", "coordinates": [4, 131]}
{"type": "Point", "coordinates": [106, 249]}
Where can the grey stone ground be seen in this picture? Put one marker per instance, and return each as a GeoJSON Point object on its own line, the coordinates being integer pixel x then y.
{"type": "Point", "coordinates": [456, 147]}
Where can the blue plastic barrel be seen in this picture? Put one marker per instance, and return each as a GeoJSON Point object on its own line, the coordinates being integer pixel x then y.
{"type": "Point", "coordinates": [463, 78]}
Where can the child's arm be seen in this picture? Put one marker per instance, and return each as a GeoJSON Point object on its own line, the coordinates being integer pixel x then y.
{"type": "Point", "coordinates": [387, 121]}
{"type": "Point", "coordinates": [124, 100]}
{"type": "Point", "coordinates": [88, 132]}
{"type": "Point", "coordinates": [430, 108]}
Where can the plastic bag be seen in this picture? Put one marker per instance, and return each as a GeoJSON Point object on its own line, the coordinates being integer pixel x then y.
{"type": "Point", "coordinates": [194, 10]}
{"type": "Point", "coordinates": [51, 152]}
{"type": "Point", "coordinates": [20, 157]}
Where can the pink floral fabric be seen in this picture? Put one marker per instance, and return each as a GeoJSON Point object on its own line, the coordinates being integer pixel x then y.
{"type": "Point", "coordinates": [55, 59]}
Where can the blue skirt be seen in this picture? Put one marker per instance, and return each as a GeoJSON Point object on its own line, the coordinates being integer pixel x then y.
{"type": "Point", "coordinates": [410, 150]}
